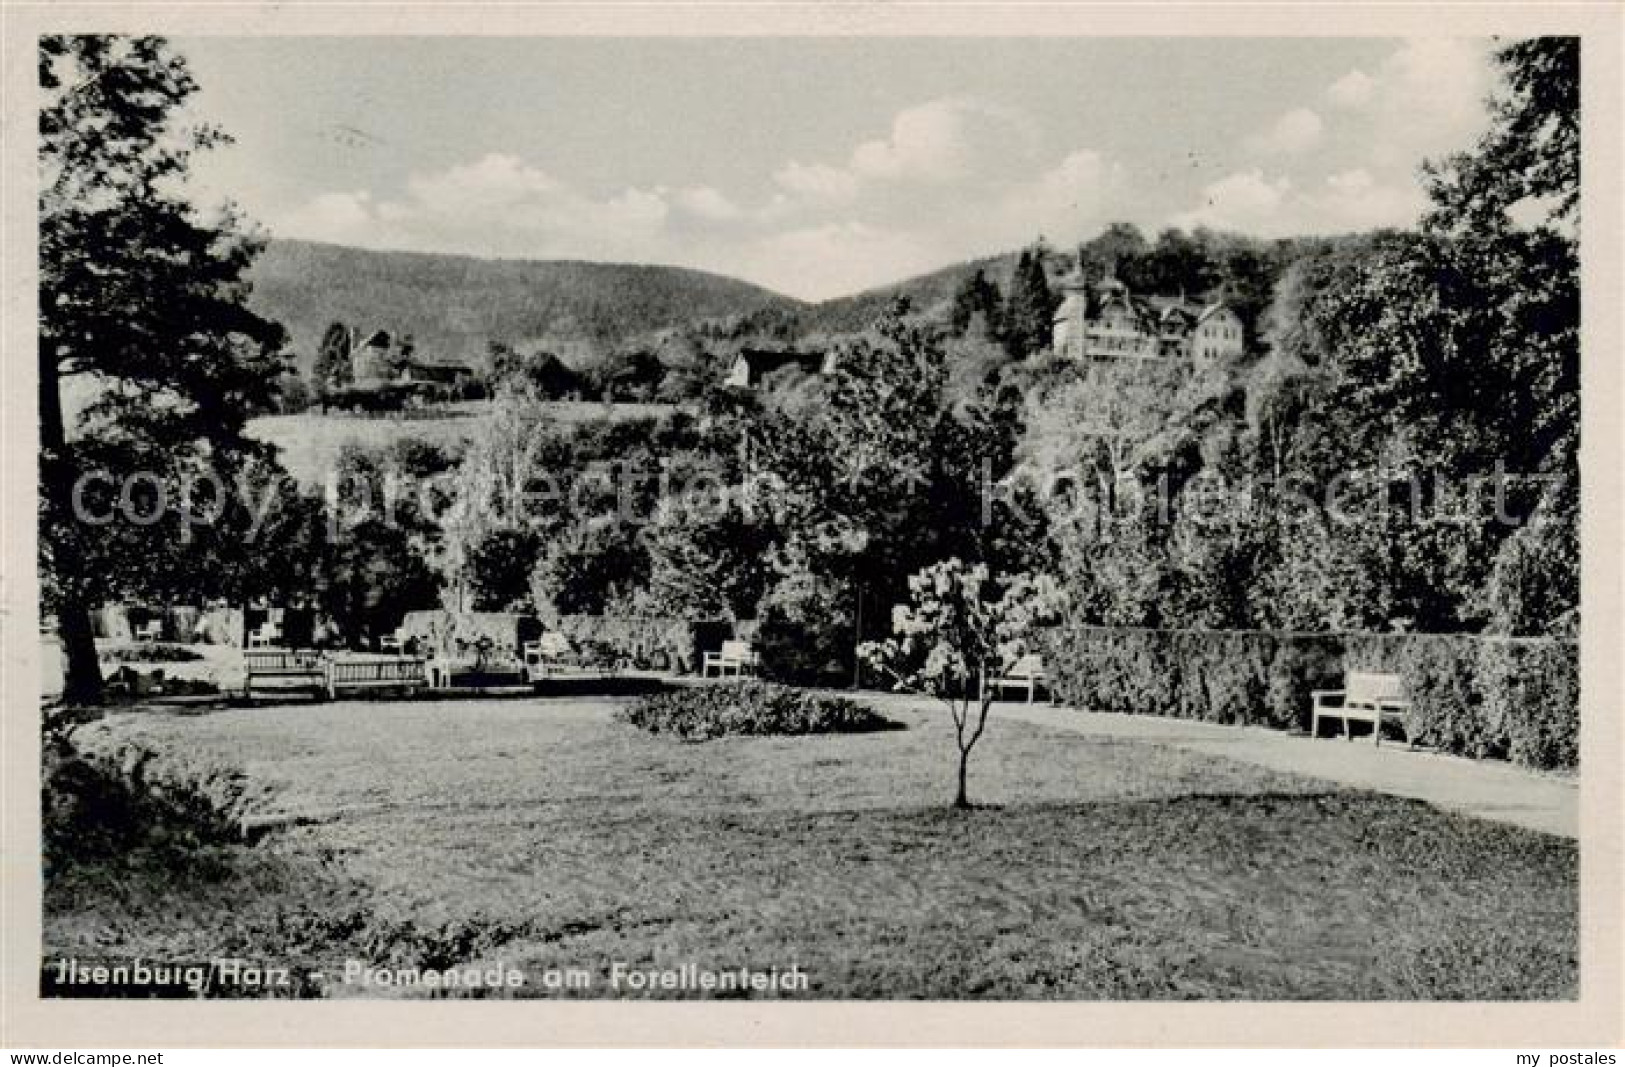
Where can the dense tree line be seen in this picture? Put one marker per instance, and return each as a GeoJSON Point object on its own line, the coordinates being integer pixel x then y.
{"type": "Point", "coordinates": [1403, 457]}
{"type": "Point", "coordinates": [1396, 448]}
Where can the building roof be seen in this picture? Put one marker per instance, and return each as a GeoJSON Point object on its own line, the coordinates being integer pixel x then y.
{"type": "Point", "coordinates": [437, 369]}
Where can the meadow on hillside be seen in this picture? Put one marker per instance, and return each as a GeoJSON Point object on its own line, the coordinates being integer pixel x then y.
{"type": "Point", "coordinates": [310, 442]}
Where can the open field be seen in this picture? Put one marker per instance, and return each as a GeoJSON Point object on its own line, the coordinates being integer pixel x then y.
{"type": "Point", "coordinates": [311, 441]}
{"type": "Point", "coordinates": [543, 834]}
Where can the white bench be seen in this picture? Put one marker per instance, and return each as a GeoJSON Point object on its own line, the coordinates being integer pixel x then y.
{"type": "Point", "coordinates": [266, 636]}
{"type": "Point", "coordinates": [545, 655]}
{"type": "Point", "coordinates": [1026, 673]}
{"type": "Point", "coordinates": [376, 672]}
{"type": "Point", "coordinates": [295, 669]}
{"type": "Point", "coordinates": [735, 656]}
{"type": "Point", "coordinates": [1365, 697]}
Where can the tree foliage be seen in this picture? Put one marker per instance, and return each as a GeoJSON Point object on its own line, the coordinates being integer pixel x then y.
{"type": "Point", "coordinates": [145, 298]}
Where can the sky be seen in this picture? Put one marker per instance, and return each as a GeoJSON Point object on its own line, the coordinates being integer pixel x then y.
{"type": "Point", "coordinates": [819, 167]}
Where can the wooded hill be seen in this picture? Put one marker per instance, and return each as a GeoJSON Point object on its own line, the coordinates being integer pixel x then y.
{"type": "Point", "coordinates": [453, 306]}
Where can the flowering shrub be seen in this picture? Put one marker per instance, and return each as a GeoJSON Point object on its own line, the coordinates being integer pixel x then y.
{"type": "Point", "coordinates": [749, 709]}
{"type": "Point", "coordinates": [960, 627]}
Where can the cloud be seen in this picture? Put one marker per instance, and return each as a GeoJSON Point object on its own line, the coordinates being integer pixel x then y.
{"type": "Point", "coordinates": [950, 142]}
{"type": "Point", "coordinates": [1426, 98]}
{"type": "Point", "coordinates": [497, 205]}
{"type": "Point", "coordinates": [1352, 90]}
{"type": "Point", "coordinates": [817, 181]}
{"type": "Point", "coordinates": [944, 140]}
{"type": "Point", "coordinates": [707, 203]}
{"type": "Point", "coordinates": [1064, 201]}
{"type": "Point", "coordinates": [1358, 200]}
{"type": "Point", "coordinates": [1241, 201]}
{"type": "Point", "coordinates": [1351, 200]}
{"type": "Point", "coordinates": [335, 217]}
{"type": "Point", "coordinates": [1295, 132]}
{"type": "Point", "coordinates": [1423, 101]}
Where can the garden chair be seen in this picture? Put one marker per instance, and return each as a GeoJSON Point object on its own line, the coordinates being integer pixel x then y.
{"type": "Point", "coordinates": [543, 656]}
{"type": "Point", "coordinates": [266, 636]}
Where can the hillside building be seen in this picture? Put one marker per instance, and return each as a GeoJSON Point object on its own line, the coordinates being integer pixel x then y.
{"type": "Point", "coordinates": [754, 364]}
{"type": "Point", "coordinates": [1106, 321]}
{"type": "Point", "coordinates": [371, 362]}
{"type": "Point", "coordinates": [379, 362]}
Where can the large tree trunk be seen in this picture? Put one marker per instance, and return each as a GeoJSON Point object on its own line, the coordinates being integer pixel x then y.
{"type": "Point", "coordinates": [83, 684]}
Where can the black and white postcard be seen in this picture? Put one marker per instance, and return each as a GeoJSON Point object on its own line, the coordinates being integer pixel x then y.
{"type": "Point", "coordinates": [544, 519]}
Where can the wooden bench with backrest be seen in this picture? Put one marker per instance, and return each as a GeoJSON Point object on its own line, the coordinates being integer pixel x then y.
{"type": "Point", "coordinates": [373, 672]}
{"type": "Point", "coordinates": [736, 656]}
{"type": "Point", "coordinates": [1366, 696]}
{"type": "Point", "coordinates": [1026, 673]}
{"type": "Point", "coordinates": [290, 668]}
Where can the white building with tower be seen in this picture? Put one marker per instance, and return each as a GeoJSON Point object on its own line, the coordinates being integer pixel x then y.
{"type": "Point", "coordinates": [1105, 321]}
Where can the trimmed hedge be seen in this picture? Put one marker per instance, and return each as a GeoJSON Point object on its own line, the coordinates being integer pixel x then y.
{"type": "Point", "coordinates": [1225, 676]}
{"type": "Point", "coordinates": [1511, 698]}
{"type": "Point", "coordinates": [655, 642]}
{"type": "Point", "coordinates": [441, 632]}
{"type": "Point", "coordinates": [148, 653]}
{"type": "Point", "coordinates": [1505, 698]}
{"type": "Point", "coordinates": [749, 709]}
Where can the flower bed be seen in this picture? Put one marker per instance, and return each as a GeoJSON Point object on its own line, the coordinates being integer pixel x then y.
{"type": "Point", "coordinates": [750, 709]}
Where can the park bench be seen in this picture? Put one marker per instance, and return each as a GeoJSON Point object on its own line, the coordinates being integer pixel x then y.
{"type": "Point", "coordinates": [373, 672]}
{"type": "Point", "coordinates": [1027, 673]}
{"type": "Point", "coordinates": [480, 664]}
{"type": "Point", "coordinates": [735, 656]}
{"type": "Point", "coordinates": [152, 630]}
{"type": "Point", "coordinates": [287, 668]}
{"type": "Point", "coordinates": [1365, 697]}
{"type": "Point", "coordinates": [266, 636]}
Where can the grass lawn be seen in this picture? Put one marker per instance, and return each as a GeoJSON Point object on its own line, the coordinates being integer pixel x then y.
{"type": "Point", "coordinates": [310, 441]}
{"type": "Point", "coordinates": [543, 834]}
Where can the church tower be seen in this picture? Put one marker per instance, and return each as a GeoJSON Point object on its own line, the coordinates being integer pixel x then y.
{"type": "Point", "coordinates": [1071, 318]}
